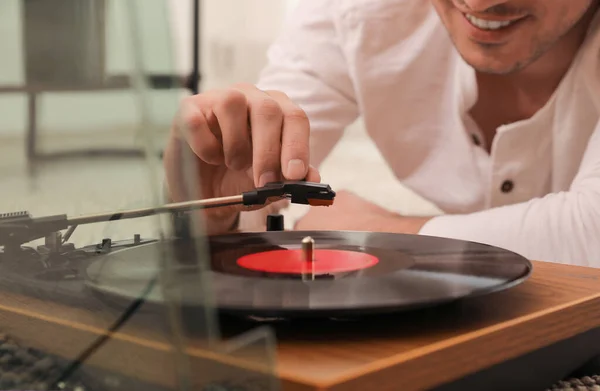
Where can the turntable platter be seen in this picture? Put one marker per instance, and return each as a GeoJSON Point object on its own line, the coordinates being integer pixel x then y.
{"type": "Point", "coordinates": [351, 273]}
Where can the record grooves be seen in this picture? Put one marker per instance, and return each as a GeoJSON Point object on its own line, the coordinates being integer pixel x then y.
{"type": "Point", "coordinates": [353, 273]}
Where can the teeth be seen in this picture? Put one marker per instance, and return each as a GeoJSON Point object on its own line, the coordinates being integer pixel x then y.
{"type": "Point", "coordinates": [487, 24]}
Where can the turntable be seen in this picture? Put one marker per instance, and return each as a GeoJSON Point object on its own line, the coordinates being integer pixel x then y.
{"type": "Point", "coordinates": [276, 274]}
{"type": "Point", "coordinates": [347, 309]}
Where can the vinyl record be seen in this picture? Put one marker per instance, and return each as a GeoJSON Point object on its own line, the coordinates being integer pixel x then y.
{"type": "Point", "coordinates": [348, 274]}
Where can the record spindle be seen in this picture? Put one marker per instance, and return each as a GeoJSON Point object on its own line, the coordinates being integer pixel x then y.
{"type": "Point", "coordinates": [308, 252]}
{"type": "Point", "coordinates": [308, 257]}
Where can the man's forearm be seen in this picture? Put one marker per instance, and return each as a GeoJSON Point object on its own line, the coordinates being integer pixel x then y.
{"type": "Point", "coordinates": [404, 224]}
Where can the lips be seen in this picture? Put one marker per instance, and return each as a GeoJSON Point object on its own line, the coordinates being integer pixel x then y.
{"type": "Point", "coordinates": [488, 31]}
{"type": "Point", "coordinates": [489, 24]}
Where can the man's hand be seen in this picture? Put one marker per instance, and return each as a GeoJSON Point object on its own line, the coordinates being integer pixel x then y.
{"type": "Point", "coordinates": [353, 213]}
{"type": "Point", "coordinates": [226, 142]}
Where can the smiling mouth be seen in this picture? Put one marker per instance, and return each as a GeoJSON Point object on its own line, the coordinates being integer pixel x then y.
{"type": "Point", "coordinates": [490, 25]}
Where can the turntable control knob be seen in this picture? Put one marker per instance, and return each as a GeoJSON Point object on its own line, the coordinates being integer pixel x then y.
{"type": "Point", "coordinates": [106, 243]}
{"type": "Point", "coordinates": [53, 242]}
{"type": "Point", "coordinates": [275, 223]}
{"type": "Point", "coordinates": [308, 247]}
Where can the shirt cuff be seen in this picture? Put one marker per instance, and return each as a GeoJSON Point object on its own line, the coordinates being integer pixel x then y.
{"type": "Point", "coordinates": [497, 233]}
{"type": "Point", "coordinates": [440, 226]}
{"type": "Point", "coordinates": [461, 227]}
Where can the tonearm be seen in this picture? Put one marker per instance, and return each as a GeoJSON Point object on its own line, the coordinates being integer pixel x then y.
{"type": "Point", "coordinates": [19, 228]}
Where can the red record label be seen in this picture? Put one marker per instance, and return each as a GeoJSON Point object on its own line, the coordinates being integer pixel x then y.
{"type": "Point", "coordinates": [293, 262]}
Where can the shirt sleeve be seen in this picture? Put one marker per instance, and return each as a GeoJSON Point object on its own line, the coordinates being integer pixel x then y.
{"type": "Point", "coordinates": [561, 227]}
{"type": "Point", "coordinates": [307, 63]}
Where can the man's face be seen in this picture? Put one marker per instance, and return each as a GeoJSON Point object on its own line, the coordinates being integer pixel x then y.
{"type": "Point", "coordinates": [504, 36]}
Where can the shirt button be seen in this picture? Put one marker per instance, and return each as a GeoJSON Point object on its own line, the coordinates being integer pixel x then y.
{"type": "Point", "coordinates": [507, 186]}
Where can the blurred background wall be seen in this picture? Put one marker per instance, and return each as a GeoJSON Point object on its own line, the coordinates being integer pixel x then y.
{"type": "Point", "coordinates": [234, 37]}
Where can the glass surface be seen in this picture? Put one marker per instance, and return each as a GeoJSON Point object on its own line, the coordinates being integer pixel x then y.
{"type": "Point", "coordinates": [91, 88]}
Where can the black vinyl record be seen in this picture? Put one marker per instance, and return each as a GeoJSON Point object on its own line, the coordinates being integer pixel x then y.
{"type": "Point", "coordinates": [398, 272]}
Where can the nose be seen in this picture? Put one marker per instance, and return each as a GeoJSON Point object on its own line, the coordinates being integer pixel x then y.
{"type": "Point", "coordinates": [483, 5]}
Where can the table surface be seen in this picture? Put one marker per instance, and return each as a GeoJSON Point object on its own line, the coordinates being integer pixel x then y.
{"type": "Point", "coordinates": [411, 351]}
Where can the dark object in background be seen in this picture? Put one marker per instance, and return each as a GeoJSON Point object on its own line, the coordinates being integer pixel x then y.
{"type": "Point", "coordinates": [64, 42]}
{"type": "Point", "coordinates": [65, 51]}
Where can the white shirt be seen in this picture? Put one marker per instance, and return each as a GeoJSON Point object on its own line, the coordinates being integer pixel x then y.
{"type": "Point", "coordinates": [392, 62]}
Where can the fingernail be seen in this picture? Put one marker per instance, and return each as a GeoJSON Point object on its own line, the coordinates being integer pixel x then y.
{"type": "Point", "coordinates": [267, 177]}
{"type": "Point", "coordinates": [296, 169]}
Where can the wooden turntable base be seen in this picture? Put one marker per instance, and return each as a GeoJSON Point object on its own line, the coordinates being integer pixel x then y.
{"type": "Point", "coordinates": [436, 347]}
{"type": "Point", "coordinates": [462, 345]}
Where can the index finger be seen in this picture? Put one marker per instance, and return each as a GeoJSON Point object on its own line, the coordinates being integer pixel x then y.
{"type": "Point", "coordinates": [295, 149]}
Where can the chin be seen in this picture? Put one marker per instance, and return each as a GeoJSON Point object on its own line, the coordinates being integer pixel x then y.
{"type": "Point", "coordinates": [492, 66]}
{"type": "Point", "coordinates": [491, 59]}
